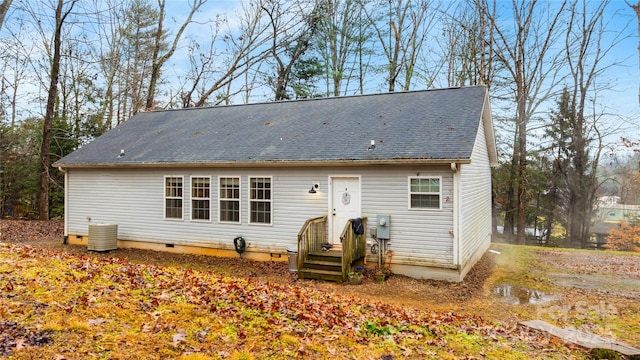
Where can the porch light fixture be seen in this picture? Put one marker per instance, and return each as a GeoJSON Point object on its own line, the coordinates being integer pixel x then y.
{"type": "Point", "coordinates": [313, 188]}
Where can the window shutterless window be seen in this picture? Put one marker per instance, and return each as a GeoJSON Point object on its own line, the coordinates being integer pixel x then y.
{"type": "Point", "coordinates": [173, 197]}
{"type": "Point", "coordinates": [260, 200]}
{"type": "Point", "coordinates": [200, 198]}
{"type": "Point", "coordinates": [424, 193]}
{"type": "Point", "coordinates": [229, 189]}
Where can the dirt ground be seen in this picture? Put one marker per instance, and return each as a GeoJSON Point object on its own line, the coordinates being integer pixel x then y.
{"type": "Point", "coordinates": [396, 290]}
{"type": "Point", "coordinates": [618, 274]}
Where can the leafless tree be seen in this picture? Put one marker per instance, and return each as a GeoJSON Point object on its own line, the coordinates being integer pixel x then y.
{"type": "Point", "coordinates": [60, 15]}
{"type": "Point", "coordinates": [586, 52]}
{"type": "Point", "coordinates": [401, 28]}
{"type": "Point", "coordinates": [464, 51]}
{"type": "Point", "coordinates": [159, 42]}
{"type": "Point", "coordinates": [340, 37]}
{"type": "Point", "coordinates": [636, 9]}
{"type": "Point", "coordinates": [108, 25]}
{"type": "Point", "coordinates": [213, 69]}
{"type": "Point", "coordinates": [293, 27]}
{"type": "Point", "coordinates": [15, 66]}
{"type": "Point", "coordinates": [525, 53]}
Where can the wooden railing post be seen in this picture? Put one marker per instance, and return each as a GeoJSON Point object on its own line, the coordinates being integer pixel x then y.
{"type": "Point", "coordinates": [310, 238]}
{"type": "Point", "coordinates": [353, 245]}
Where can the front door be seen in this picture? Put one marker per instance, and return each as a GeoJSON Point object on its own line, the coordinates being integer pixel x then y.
{"type": "Point", "coordinates": [345, 204]}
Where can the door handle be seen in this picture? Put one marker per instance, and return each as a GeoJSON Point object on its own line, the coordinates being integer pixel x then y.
{"type": "Point", "coordinates": [334, 212]}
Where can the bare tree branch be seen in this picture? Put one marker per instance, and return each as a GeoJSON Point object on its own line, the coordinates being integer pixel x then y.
{"type": "Point", "coordinates": [157, 60]}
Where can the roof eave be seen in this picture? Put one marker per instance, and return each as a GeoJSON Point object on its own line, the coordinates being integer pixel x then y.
{"type": "Point", "coordinates": [385, 162]}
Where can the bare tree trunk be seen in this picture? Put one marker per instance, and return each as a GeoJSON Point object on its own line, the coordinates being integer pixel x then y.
{"type": "Point", "coordinates": [521, 192]}
{"type": "Point", "coordinates": [511, 209]}
{"type": "Point", "coordinates": [585, 52]}
{"type": "Point", "coordinates": [43, 203]}
{"type": "Point", "coordinates": [4, 8]}
{"type": "Point", "coordinates": [297, 44]}
{"type": "Point", "coordinates": [408, 24]}
{"type": "Point", "coordinates": [636, 9]}
{"type": "Point", "coordinates": [159, 61]}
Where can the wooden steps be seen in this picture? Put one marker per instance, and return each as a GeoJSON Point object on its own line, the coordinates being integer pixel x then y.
{"type": "Point", "coordinates": [323, 265]}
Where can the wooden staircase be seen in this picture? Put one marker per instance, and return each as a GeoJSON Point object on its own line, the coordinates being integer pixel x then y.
{"type": "Point", "coordinates": [332, 265]}
{"type": "Point", "coordinates": [323, 265]}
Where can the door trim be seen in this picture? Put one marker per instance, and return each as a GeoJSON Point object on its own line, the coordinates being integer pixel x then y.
{"type": "Point", "coordinates": [330, 202]}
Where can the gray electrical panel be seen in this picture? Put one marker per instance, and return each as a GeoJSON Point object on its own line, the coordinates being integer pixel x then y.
{"type": "Point", "coordinates": [383, 226]}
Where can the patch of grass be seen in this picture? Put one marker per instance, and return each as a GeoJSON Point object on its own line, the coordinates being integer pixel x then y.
{"type": "Point", "coordinates": [111, 308]}
{"type": "Point", "coordinates": [521, 266]}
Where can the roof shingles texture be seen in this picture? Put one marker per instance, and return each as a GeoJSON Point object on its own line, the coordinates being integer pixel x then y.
{"type": "Point", "coordinates": [429, 124]}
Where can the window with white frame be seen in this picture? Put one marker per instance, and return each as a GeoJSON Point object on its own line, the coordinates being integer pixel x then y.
{"type": "Point", "coordinates": [424, 192]}
{"type": "Point", "coordinates": [260, 200]}
{"type": "Point", "coordinates": [200, 198]}
{"type": "Point", "coordinates": [173, 197]}
{"type": "Point", "coordinates": [229, 209]}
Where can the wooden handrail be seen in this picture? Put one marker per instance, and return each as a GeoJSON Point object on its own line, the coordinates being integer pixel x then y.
{"type": "Point", "coordinates": [310, 238]}
{"type": "Point", "coordinates": [353, 245]}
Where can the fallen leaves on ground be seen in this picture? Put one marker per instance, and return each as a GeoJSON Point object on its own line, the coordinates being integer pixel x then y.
{"type": "Point", "coordinates": [31, 232]}
{"type": "Point", "coordinates": [110, 307]}
{"type": "Point", "coordinates": [592, 262]}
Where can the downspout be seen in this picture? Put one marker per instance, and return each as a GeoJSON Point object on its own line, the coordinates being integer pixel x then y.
{"type": "Point", "coordinates": [66, 205]}
{"type": "Point", "coordinates": [457, 250]}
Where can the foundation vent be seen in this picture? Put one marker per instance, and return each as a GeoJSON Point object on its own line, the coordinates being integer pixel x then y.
{"type": "Point", "coordinates": [103, 237]}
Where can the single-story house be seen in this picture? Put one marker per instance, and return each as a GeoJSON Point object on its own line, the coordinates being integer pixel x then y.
{"type": "Point", "coordinates": [199, 179]}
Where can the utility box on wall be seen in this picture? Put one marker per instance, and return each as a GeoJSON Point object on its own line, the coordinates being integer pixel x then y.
{"type": "Point", "coordinates": [383, 226]}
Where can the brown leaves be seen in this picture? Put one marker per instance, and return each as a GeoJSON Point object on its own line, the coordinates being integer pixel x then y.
{"type": "Point", "coordinates": [248, 309]}
{"type": "Point", "coordinates": [30, 231]}
{"type": "Point", "coordinates": [113, 307]}
{"type": "Point", "coordinates": [14, 337]}
{"type": "Point", "coordinates": [593, 262]}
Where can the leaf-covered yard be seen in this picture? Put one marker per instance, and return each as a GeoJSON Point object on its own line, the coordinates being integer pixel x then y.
{"type": "Point", "coordinates": [62, 302]}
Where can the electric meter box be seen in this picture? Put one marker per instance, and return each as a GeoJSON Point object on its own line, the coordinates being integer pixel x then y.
{"type": "Point", "coordinates": [383, 226]}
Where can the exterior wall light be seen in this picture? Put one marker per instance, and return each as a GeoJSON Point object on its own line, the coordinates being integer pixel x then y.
{"type": "Point", "coordinates": [313, 188]}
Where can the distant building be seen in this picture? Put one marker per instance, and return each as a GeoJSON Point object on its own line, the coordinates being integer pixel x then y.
{"type": "Point", "coordinates": [609, 214]}
{"type": "Point", "coordinates": [608, 200]}
{"type": "Point", "coordinates": [617, 212]}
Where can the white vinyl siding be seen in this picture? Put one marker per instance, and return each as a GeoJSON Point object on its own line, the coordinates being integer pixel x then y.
{"type": "Point", "coordinates": [201, 198]}
{"type": "Point", "coordinates": [475, 201]}
{"type": "Point", "coordinates": [229, 199]}
{"type": "Point", "coordinates": [129, 198]}
{"type": "Point", "coordinates": [260, 200]}
{"type": "Point", "coordinates": [416, 237]}
{"type": "Point", "coordinates": [173, 193]}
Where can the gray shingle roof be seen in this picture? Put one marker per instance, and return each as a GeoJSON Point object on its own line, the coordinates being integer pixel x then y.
{"type": "Point", "coordinates": [427, 125]}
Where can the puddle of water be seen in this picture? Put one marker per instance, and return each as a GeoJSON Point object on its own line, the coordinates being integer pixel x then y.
{"type": "Point", "coordinates": [518, 295]}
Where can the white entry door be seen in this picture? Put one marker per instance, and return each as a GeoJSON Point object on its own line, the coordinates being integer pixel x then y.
{"type": "Point", "coordinates": [345, 204]}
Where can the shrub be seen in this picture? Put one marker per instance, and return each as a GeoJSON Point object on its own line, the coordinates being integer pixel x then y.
{"type": "Point", "coordinates": [624, 238]}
